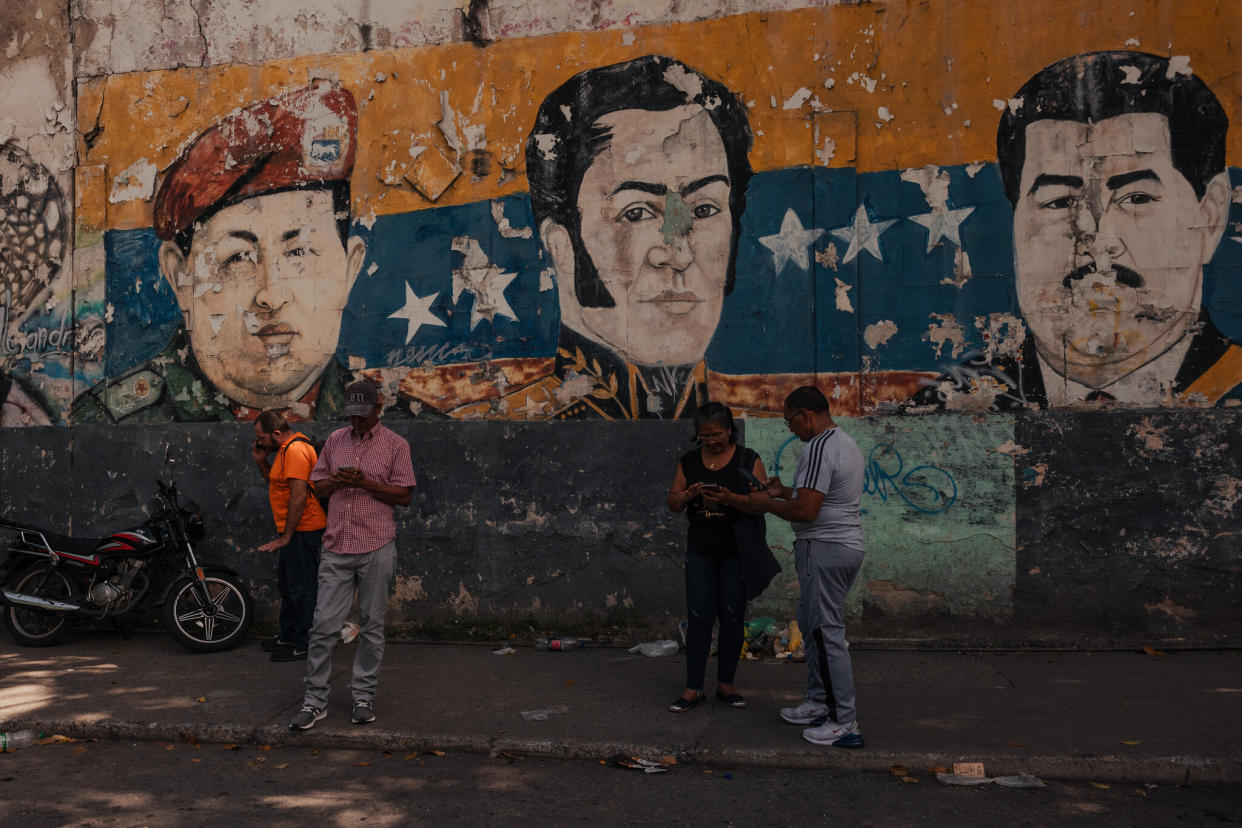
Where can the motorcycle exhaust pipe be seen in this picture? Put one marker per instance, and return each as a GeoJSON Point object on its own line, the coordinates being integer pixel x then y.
{"type": "Point", "coordinates": [39, 603]}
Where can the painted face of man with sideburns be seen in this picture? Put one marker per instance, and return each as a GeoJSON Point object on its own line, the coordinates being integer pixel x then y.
{"type": "Point", "coordinates": [638, 175]}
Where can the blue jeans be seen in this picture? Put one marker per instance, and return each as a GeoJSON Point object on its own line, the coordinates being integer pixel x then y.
{"type": "Point", "coordinates": [297, 579]}
{"type": "Point", "coordinates": [714, 590]}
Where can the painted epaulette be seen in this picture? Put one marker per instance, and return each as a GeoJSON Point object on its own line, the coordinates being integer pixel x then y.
{"type": "Point", "coordinates": [544, 399]}
{"type": "Point", "coordinates": [1216, 383]}
{"type": "Point", "coordinates": [121, 399]}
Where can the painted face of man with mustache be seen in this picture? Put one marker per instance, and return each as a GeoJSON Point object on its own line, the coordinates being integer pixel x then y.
{"type": "Point", "coordinates": [657, 224]}
{"type": "Point", "coordinates": [1110, 242]}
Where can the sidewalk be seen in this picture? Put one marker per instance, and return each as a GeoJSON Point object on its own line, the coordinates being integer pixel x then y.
{"type": "Point", "coordinates": [1164, 718]}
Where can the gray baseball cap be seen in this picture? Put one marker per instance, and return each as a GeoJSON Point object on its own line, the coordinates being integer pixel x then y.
{"type": "Point", "coordinates": [360, 399]}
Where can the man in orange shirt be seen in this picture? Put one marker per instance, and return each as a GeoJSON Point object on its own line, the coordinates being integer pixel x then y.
{"type": "Point", "coordinates": [300, 520]}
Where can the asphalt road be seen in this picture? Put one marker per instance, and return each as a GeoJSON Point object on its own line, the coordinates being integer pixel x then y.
{"type": "Point", "coordinates": [158, 784]}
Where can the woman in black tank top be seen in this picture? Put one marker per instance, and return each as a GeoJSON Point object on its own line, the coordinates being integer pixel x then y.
{"type": "Point", "coordinates": [708, 485]}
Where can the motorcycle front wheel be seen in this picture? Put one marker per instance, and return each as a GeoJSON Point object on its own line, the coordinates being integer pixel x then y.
{"type": "Point", "coordinates": [210, 621]}
{"type": "Point", "coordinates": [33, 627]}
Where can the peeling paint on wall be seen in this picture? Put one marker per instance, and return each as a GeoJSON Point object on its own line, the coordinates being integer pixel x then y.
{"type": "Point", "coordinates": [1079, 264]}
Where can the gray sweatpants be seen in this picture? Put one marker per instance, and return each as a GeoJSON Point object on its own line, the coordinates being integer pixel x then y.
{"type": "Point", "coordinates": [826, 571]}
{"type": "Point", "coordinates": [339, 575]}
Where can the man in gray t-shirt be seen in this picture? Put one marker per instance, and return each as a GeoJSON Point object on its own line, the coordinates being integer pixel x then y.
{"type": "Point", "coordinates": [823, 508]}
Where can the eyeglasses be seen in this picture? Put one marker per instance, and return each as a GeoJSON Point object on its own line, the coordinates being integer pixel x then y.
{"type": "Point", "coordinates": [789, 420]}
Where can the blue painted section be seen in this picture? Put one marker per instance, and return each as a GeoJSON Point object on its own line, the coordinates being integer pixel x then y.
{"type": "Point", "coordinates": [1222, 278]}
{"type": "Point", "coordinates": [774, 322]}
{"type": "Point", "coordinates": [144, 310]}
{"type": "Point", "coordinates": [417, 249]}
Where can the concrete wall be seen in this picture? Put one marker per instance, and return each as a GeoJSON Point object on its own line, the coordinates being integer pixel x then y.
{"type": "Point", "coordinates": [1033, 344]}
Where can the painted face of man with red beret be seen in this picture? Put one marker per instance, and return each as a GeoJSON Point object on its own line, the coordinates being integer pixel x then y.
{"type": "Point", "coordinates": [255, 217]}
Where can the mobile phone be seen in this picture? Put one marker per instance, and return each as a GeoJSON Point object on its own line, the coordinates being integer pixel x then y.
{"type": "Point", "coordinates": [348, 469]}
{"type": "Point", "coordinates": [751, 479]}
{"type": "Point", "coordinates": [710, 487]}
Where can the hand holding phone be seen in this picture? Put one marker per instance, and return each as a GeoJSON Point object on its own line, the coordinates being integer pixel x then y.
{"type": "Point", "coordinates": [755, 483]}
{"type": "Point", "coordinates": [346, 476]}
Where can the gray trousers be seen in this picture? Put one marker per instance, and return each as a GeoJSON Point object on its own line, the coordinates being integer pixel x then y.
{"type": "Point", "coordinates": [339, 575]}
{"type": "Point", "coordinates": [826, 571]}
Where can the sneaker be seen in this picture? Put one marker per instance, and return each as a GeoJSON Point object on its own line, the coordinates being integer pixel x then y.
{"type": "Point", "coordinates": [836, 735]}
{"type": "Point", "coordinates": [306, 717]}
{"type": "Point", "coordinates": [272, 644]}
{"type": "Point", "coordinates": [364, 711]}
{"type": "Point", "coordinates": [805, 713]}
{"type": "Point", "coordinates": [288, 652]}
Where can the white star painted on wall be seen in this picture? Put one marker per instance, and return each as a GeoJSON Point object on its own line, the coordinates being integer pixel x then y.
{"type": "Point", "coordinates": [533, 408]}
{"type": "Point", "coordinates": [862, 234]}
{"type": "Point", "coordinates": [416, 312]}
{"type": "Point", "coordinates": [792, 243]}
{"type": "Point", "coordinates": [943, 223]}
{"type": "Point", "coordinates": [484, 280]}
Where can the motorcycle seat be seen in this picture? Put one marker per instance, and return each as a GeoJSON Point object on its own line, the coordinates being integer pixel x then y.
{"type": "Point", "coordinates": [80, 547]}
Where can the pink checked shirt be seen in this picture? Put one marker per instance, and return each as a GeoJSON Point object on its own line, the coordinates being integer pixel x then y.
{"type": "Point", "coordinates": [357, 522]}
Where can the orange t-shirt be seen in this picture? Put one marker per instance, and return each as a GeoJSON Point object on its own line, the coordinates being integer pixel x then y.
{"type": "Point", "coordinates": [294, 461]}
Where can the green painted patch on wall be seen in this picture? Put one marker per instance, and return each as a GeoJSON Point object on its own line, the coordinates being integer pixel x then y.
{"type": "Point", "coordinates": [938, 517]}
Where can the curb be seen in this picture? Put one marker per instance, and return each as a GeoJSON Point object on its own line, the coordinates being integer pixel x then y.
{"type": "Point", "coordinates": [1171, 770]}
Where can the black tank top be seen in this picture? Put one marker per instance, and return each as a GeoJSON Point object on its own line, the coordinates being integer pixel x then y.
{"type": "Point", "coordinates": [711, 525]}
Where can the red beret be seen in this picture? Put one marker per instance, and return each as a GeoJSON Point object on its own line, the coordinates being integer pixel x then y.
{"type": "Point", "coordinates": [304, 137]}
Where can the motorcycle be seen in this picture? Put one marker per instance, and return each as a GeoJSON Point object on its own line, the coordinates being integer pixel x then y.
{"type": "Point", "coordinates": [51, 581]}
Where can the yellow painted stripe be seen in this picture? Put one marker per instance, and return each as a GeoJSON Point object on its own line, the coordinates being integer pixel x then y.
{"type": "Point", "coordinates": [1217, 381]}
{"type": "Point", "coordinates": [938, 69]}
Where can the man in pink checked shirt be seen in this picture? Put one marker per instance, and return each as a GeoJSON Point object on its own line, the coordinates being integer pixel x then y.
{"type": "Point", "coordinates": [363, 471]}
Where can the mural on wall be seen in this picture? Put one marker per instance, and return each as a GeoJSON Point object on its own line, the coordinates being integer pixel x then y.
{"type": "Point", "coordinates": [35, 336]}
{"type": "Point", "coordinates": [634, 228]}
{"type": "Point", "coordinates": [638, 176]}
{"type": "Point", "coordinates": [256, 247]}
{"type": "Point", "coordinates": [1115, 165]}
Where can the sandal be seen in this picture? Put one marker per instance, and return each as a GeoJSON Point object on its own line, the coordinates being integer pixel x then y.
{"type": "Point", "coordinates": [731, 699]}
{"type": "Point", "coordinates": [682, 704]}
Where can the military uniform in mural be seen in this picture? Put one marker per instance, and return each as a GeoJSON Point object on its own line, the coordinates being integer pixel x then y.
{"type": "Point", "coordinates": [592, 382]}
{"type": "Point", "coordinates": [255, 221]}
{"type": "Point", "coordinates": [21, 406]}
{"type": "Point", "coordinates": [171, 387]}
{"type": "Point", "coordinates": [1210, 374]}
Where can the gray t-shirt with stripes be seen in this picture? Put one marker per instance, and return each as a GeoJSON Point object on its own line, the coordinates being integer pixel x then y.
{"type": "Point", "coordinates": [832, 463]}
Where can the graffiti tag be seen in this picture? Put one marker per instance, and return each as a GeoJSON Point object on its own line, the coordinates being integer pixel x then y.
{"type": "Point", "coordinates": [926, 488]}
{"type": "Point", "coordinates": [427, 354]}
{"type": "Point", "coordinates": [923, 487]}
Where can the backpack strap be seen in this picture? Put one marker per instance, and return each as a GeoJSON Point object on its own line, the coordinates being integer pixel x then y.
{"type": "Point", "coordinates": [280, 455]}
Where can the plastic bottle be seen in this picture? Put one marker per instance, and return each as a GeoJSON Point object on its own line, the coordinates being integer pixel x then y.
{"type": "Point", "coordinates": [663, 647]}
{"type": "Point", "coordinates": [563, 643]}
{"type": "Point", "coordinates": [12, 740]}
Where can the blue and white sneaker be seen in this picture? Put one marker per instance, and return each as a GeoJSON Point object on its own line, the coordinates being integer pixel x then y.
{"type": "Point", "coordinates": [806, 713]}
{"type": "Point", "coordinates": [835, 735]}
